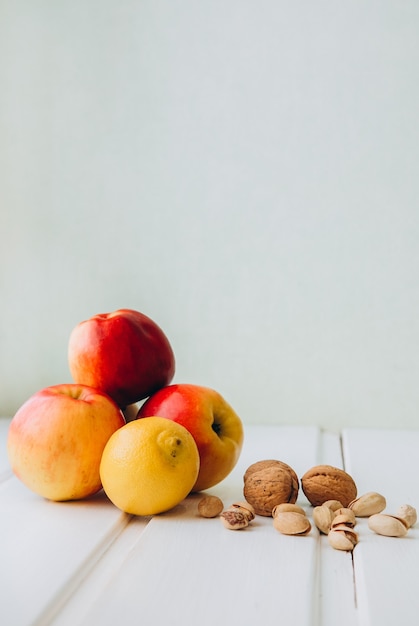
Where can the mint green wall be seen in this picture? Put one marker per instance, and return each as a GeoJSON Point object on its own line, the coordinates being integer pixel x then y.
{"type": "Point", "coordinates": [246, 173]}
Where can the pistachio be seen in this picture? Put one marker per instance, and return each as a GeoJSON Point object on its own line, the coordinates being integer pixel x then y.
{"type": "Point", "coordinates": [210, 506]}
{"type": "Point", "coordinates": [402, 520]}
{"type": "Point", "coordinates": [334, 505]}
{"type": "Point", "coordinates": [342, 539]}
{"type": "Point", "coordinates": [234, 519]}
{"type": "Point", "coordinates": [287, 506]}
{"type": "Point", "coordinates": [368, 504]}
{"type": "Point", "coordinates": [322, 517]}
{"type": "Point", "coordinates": [246, 508]}
{"type": "Point", "coordinates": [349, 530]}
{"type": "Point", "coordinates": [344, 516]}
{"type": "Point", "coordinates": [407, 513]}
{"type": "Point", "coordinates": [292, 523]}
{"type": "Point", "coordinates": [387, 525]}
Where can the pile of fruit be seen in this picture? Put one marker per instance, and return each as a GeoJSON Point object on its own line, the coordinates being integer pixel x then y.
{"type": "Point", "coordinates": [68, 441]}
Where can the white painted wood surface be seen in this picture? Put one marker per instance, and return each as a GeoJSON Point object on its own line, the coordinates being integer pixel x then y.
{"type": "Point", "coordinates": [86, 563]}
{"type": "Point", "coordinates": [386, 568]}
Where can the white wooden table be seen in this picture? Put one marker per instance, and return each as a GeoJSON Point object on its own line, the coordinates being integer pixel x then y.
{"type": "Point", "coordinates": [87, 563]}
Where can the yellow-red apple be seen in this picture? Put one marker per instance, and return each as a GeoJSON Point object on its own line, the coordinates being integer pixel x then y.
{"type": "Point", "coordinates": [56, 439]}
{"type": "Point", "coordinates": [215, 426]}
{"type": "Point", "coordinates": [124, 353]}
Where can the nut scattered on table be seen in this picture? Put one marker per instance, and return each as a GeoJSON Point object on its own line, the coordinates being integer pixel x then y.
{"type": "Point", "coordinates": [210, 506]}
{"type": "Point", "coordinates": [337, 525]}
{"type": "Point", "coordinates": [322, 518]}
{"type": "Point", "coordinates": [334, 505]}
{"type": "Point", "coordinates": [234, 520]}
{"type": "Point", "coordinates": [387, 525]}
{"type": "Point", "coordinates": [287, 506]}
{"type": "Point", "coordinates": [268, 483]}
{"type": "Point", "coordinates": [368, 504]}
{"type": "Point", "coordinates": [292, 523]}
{"type": "Point", "coordinates": [246, 508]}
{"type": "Point", "coordinates": [238, 515]}
{"type": "Point", "coordinates": [407, 513]}
{"type": "Point", "coordinates": [344, 516]}
{"type": "Point", "coordinates": [342, 539]}
{"type": "Point", "coordinates": [325, 482]}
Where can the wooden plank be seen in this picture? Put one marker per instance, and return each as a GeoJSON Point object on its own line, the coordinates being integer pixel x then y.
{"type": "Point", "coordinates": [384, 461]}
{"type": "Point", "coordinates": [292, 445]}
{"type": "Point", "coordinates": [90, 586]}
{"type": "Point", "coordinates": [184, 569]}
{"type": "Point", "coordinates": [86, 562]}
{"type": "Point", "coordinates": [47, 548]}
{"type": "Point", "coordinates": [386, 568]}
{"type": "Point", "coordinates": [337, 602]}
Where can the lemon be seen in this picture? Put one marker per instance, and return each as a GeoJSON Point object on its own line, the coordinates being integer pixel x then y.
{"type": "Point", "coordinates": [148, 466]}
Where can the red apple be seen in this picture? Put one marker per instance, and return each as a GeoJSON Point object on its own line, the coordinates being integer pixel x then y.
{"type": "Point", "coordinates": [56, 439]}
{"type": "Point", "coordinates": [124, 353]}
{"type": "Point", "coordinates": [215, 426]}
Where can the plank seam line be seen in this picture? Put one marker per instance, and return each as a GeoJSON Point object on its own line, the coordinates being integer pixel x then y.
{"type": "Point", "coordinates": [354, 581]}
{"type": "Point", "coordinates": [62, 596]}
{"type": "Point", "coordinates": [342, 452]}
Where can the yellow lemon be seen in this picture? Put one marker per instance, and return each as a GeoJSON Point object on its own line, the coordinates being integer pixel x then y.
{"type": "Point", "coordinates": [149, 465]}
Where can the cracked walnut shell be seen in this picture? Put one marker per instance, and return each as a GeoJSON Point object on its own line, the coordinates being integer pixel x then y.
{"type": "Point", "coordinates": [269, 483]}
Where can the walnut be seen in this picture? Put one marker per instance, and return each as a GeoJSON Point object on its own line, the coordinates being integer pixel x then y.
{"type": "Point", "coordinates": [325, 482]}
{"type": "Point", "coordinates": [268, 483]}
